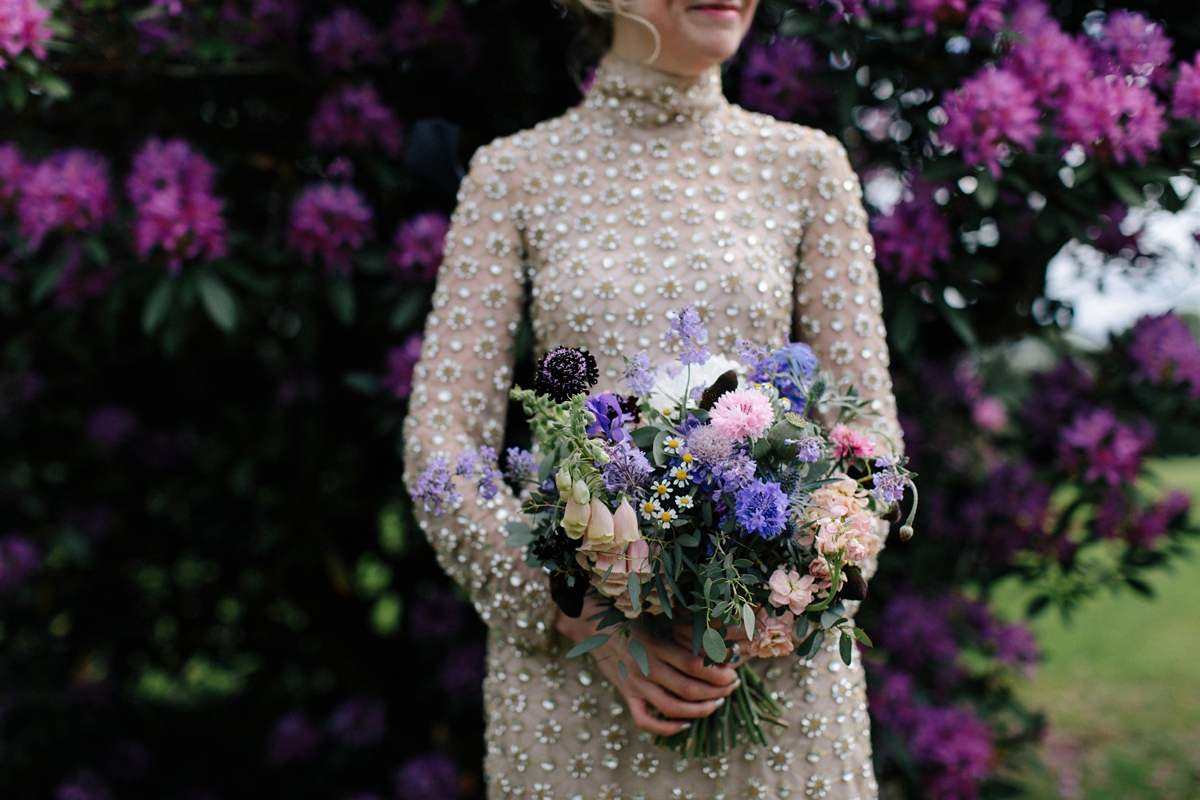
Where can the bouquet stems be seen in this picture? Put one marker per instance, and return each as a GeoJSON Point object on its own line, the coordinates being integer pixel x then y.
{"type": "Point", "coordinates": [743, 715]}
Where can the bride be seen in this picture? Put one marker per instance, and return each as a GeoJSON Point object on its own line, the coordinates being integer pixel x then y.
{"type": "Point", "coordinates": [653, 193]}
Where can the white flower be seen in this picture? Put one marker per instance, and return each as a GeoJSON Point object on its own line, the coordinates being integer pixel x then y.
{"type": "Point", "coordinates": [670, 382]}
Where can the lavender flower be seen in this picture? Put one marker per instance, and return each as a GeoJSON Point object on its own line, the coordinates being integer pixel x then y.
{"type": "Point", "coordinates": [610, 417]}
{"type": "Point", "coordinates": [809, 449]}
{"type": "Point", "coordinates": [565, 372]}
{"type": "Point", "coordinates": [18, 561]}
{"type": "Point", "coordinates": [687, 329]}
{"type": "Point", "coordinates": [627, 469]}
{"type": "Point", "coordinates": [487, 484]}
{"type": "Point", "coordinates": [358, 722]}
{"type": "Point", "coordinates": [761, 508]}
{"type": "Point", "coordinates": [435, 488]}
{"type": "Point", "coordinates": [638, 374]}
{"type": "Point", "coordinates": [734, 474]}
{"type": "Point", "coordinates": [431, 776]}
{"type": "Point", "coordinates": [709, 446]}
{"type": "Point", "coordinates": [294, 739]}
{"type": "Point", "coordinates": [521, 466]}
{"type": "Point", "coordinates": [888, 483]}
{"type": "Point", "coordinates": [465, 464]}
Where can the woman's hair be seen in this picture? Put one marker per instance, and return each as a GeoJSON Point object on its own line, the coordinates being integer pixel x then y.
{"type": "Point", "coordinates": [596, 32]}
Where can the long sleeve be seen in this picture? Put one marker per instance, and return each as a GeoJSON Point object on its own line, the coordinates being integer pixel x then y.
{"type": "Point", "coordinates": [460, 398]}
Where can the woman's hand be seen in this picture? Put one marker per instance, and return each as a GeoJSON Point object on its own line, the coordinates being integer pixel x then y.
{"type": "Point", "coordinates": [679, 686]}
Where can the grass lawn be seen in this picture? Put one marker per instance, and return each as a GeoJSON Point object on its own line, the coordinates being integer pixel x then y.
{"type": "Point", "coordinates": [1120, 685]}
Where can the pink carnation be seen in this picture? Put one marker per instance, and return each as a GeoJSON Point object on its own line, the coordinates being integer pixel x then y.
{"type": "Point", "coordinates": [790, 589]}
{"type": "Point", "coordinates": [69, 191]}
{"type": "Point", "coordinates": [993, 114]}
{"type": "Point", "coordinates": [354, 115]}
{"type": "Point", "coordinates": [419, 243]}
{"type": "Point", "coordinates": [742, 413]}
{"type": "Point", "coordinates": [331, 222]}
{"type": "Point", "coordinates": [171, 188]}
{"type": "Point", "coordinates": [850, 443]}
{"type": "Point", "coordinates": [23, 27]}
{"type": "Point", "coordinates": [345, 39]}
{"type": "Point", "coordinates": [1185, 99]}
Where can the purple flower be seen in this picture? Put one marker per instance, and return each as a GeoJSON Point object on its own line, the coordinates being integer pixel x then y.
{"type": "Point", "coordinates": [954, 747]}
{"type": "Point", "coordinates": [777, 77]}
{"type": "Point", "coordinates": [1104, 448]}
{"type": "Point", "coordinates": [1015, 645]}
{"type": "Point", "coordinates": [293, 740]}
{"type": "Point", "coordinates": [990, 117]}
{"type": "Point", "coordinates": [400, 363]}
{"type": "Point", "coordinates": [687, 329]}
{"type": "Point", "coordinates": [1165, 351]}
{"type": "Point", "coordinates": [1050, 61]}
{"type": "Point", "coordinates": [1111, 119]}
{"type": "Point", "coordinates": [358, 722]}
{"type": "Point", "coordinates": [638, 374]}
{"type": "Point", "coordinates": [1150, 526]}
{"type": "Point", "coordinates": [790, 370]}
{"type": "Point", "coordinates": [915, 631]}
{"type": "Point", "coordinates": [171, 188]}
{"type": "Point", "coordinates": [435, 488]}
{"type": "Point", "coordinates": [111, 426]}
{"type": "Point", "coordinates": [627, 469]}
{"type": "Point", "coordinates": [1107, 236]}
{"type": "Point", "coordinates": [331, 222]}
{"type": "Point", "coordinates": [430, 776]}
{"type": "Point", "coordinates": [611, 417]}
{"type": "Point", "coordinates": [412, 28]}
{"type": "Point", "coordinates": [438, 615]}
{"type": "Point", "coordinates": [12, 167]}
{"type": "Point", "coordinates": [23, 27]}
{"type": "Point", "coordinates": [463, 671]}
{"type": "Point", "coordinates": [88, 786]}
{"type": "Point", "coordinates": [1134, 44]}
{"type": "Point", "coordinates": [68, 192]}
{"type": "Point", "coordinates": [479, 465]}
{"type": "Point", "coordinates": [419, 242]}
{"type": "Point", "coordinates": [735, 474]}
{"type": "Point", "coordinates": [344, 40]}
{"type": "Point", "coordinates": [891, 696]}
{"type": "Point", "coordinates": [914, 236]}
{"type": "Point", "coordinates": [19, 559]}
{"type": "Point", "coordinates": [520, 466]}
{"type": "Point", "coordinates": [761, 508]}
{"type": "Point", "coordinates": [354, 115]}
{"type": "Point", "coordinates": [888, 484]}
{"type": "Point", "coordinates": [263, 21]}
{"type": "Point", "coordinates": [340, 169]}
{"type": "Point", "coordinates": [809, 449]}
{"type": "Point", "coordinates": [565, 372]}
{"type": "Point", "coordinates": [709, 446]}
{"type": "Point", "coordinates": [1185, 97]}
{"type": "Point", "coordinates": [73, 284]}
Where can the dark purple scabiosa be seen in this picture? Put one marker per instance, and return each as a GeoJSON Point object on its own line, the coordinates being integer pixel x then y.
{"type": "Point", "coordinates": [565, 372]}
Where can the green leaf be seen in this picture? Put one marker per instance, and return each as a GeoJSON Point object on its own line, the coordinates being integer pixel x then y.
{"type": "Point", "coordinates": [341, 300]}
{"type": "Point", "coordinates": [218, 301]}
{"type": "Point", "coordinates": [861, 635]}
{"type": "Point", "coordinates": [362, 382]}
{"type": "Point", "coordinates": [158, 304]}
{"type": "Point", "coordinates": [621, 667]}
{"type": "Point", "coordinates": [986, 194]}
{"type": "Point", "coordinates": [846, 646]}
{"type": "Point", "coordinates": [94, 247]}
{"type": "Point", "coordinates": [47, 279]}
{"type": "Point", "coordinates": [635, 591]}
{"type": "Point", "coordinates": [1129, 194]}
{"type": "Point", "coordinates": [748, 619]}
{"type": "Point", "coordinates": [587, 645]}
{"type": "Point", "coordinates": [54, 87]}
{"type": "Point", "coordinates": [640, 656]}
{"type": "Point", "coordinates": [16, 93]}
{"type": "Point", "coordinates": [385, 616]}
{"type": "Point", "coordinates": [714, 646]}
{"type": "Point", "coordinates": [408, 311]}
{"type": "Point", "coordinates": [688, 540]}
{"type": "Point", "coordinates": [644, 437]}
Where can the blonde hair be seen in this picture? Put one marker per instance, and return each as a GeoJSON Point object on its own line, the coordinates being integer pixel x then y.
{"type": "Point", "coordinates": [607, 9]}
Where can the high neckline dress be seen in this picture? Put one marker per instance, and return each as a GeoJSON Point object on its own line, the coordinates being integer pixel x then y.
{"type": "Point", "coordinates": [653, 193]}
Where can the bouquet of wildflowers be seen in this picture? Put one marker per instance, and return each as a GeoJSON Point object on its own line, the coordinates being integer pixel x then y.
{"type": "Point", "coordinates": [710, 496]}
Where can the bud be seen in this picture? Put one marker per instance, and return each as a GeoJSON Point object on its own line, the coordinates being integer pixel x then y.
{"type": "Point", "coordinates": [625, 524]}
{"type": "Point", "coordinates": [580, 493]}
{"type": "Point", "coordinates": [563, 480]}
{"type": "Point", "coordinates": [906, 532]}
{"type": "Point", "coordinates": [575, 518]}
{"type": "Point", "coordinates": [600, 526]}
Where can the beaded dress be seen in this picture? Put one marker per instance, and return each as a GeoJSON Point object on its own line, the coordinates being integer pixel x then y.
{"type": "Point", "coordinates": [653, 193]}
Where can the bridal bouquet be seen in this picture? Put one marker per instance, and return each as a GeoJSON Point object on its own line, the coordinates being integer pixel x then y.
{"type": "Point", "coordinates": [709, 496]}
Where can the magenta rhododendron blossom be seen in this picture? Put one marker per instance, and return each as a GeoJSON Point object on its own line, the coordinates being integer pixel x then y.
{"type": "Point", "coordinates": [990, 117]}
{"type": "Point", "coordinates": [400, 362]}
{"type": "Point", "coordinates": [776, 77]}
{"type": "Point", "coordinates": [345, 39]}
{"type": "Point", "coordinates": [1112, 119]}
{"type": "Point", "coordinates": [419, 242]}
{"type": "Point", "coordinates": [914, 236]}
{"type": "Point", "coordinates": [1134, 44]}
{"type": "Point", "coordinates": [354, 115]}
{"type": "Point", "coordinates": [331, 222]}
{"type": "Point", "coordinates": [1185, 98]}
{"type": "Point", "coordinates": [1103, 448]}
{"type": "Point", "coordinates": [1166, 352]}
{"type": "Point", "coordinates": [1049, 61]}
{"type": "Point", "coordinates": [68, 192]}
{"type": "Point", "coordinates": [171, 187]}
{"type": "Point", "coordinates": [23, 27]}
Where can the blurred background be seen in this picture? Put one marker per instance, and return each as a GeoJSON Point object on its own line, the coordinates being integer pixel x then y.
{"type": "Point", "coordinates": [220, 225]}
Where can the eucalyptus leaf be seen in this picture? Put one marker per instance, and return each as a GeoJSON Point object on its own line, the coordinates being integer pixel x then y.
{"type": "Point", "coordinates": [587, 645]}
{"type": "Point", "coordinates": [640, 656]}
{"type": "Point", "coordinates": [846, 647]}
{"type": "Point", "coordinates": [714, 646]}
{"type": "Point", "coordinates": [748, 619]}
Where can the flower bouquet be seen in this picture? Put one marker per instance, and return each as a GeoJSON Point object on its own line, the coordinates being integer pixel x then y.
{"type": "Point", "coordinates": [710, 496]}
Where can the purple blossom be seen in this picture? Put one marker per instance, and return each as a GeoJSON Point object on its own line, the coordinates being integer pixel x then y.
{"type": "Point", "coordinates": [23, 27]}
{"type": "Point", "coordinates": [888, 485]}
{"type": "Point", "coordinates": [789, 368]}
{"type": "Point", "coordinates": [639, 376]}
{"type": "Point", "coordinates": [627, 469]}
{"type": "Point", "coordinates": [1134, 44]}
{"type": "Point", "coordinates": [111, 426]}
{"type": "Point", "coordinates": [419, 242]}
{"type": "Point", "coordinates": [1015, 645]}
{"type": "Point", "coordinates": [294, 739]}
{"type": "Point", "coordinates": [340, 169]}
{"type": "Point", "coordinates": [261, 22]}
{"type": "Point", "coordinates": [74, 284]}
{"type": "Point", "coordinates": [761, 508]}
{"type": "Point", "coordinates": [354, 115]}
{"type": "Point", "coordinates": [1107, 236]}
{"type": "Point", "coordinates": [430, 776]}
{"type": "Point", "coordinates": [463, 671]}
{"type": "Point", "coordinates": [986, 18]}
{"type": "Point", "coordinates": [1185, 97]}
{"type": "Point", "coordinates": [19, 559]}
{"type": "Point", "coordinates": [610, 417]}
{"type": "Point", "coordinates": [1150, 526]}
{"type": "Point", "coordinates": [358, 722]}
{"type": "Point", "coordinates": [1050, 61]}
{"type": "Point", "coordinates": [891, 696]}
{"type": "Point", "coordinates": [565, 372]}
{"type": "Point", "coordinates": [412, 28]}
{"type": "Point", "coordinates": [709, 446]}
{"type": "Point", "coordinates": [438, 615]}
{"type": "Point", "coordinates": [777, 77]}
{"type": "Point", "coordinates": [990, 117]}
{"type": "Point", "coordinates": [480, 465]}
{"type": "Point", "coordinates": [12, 167]}
{"type": "Point", "coordinates": [171, 187]}
{"type": "Point", "coordinates": [520, 466]}
{"type": "Point", "coordinates": [435, 488]}
{"type": "Point", "coordinates": [1104, 448]}
{"type": "Point", "coordinates": [915, 631]}
{"type": "Point", "coordinates": [344, 40]}
{"type": "Point", "coordinates": [88, 786]}
{"type": "Point", "coordinates": [400, 363]}
{"type": "Point", "coordinates": [687, 329]}
{"type": "Point", "coordinates": [1112, 119]}
{"type": "Point", "coordinates": [68, 192]}
{"type": "Point", "coordinates": [928, 14]}
{"type": "Point", "coordinates": [331, 222]}
{"type": "Point", "coordinates": [1165, 351]}
{"type": "Point", "coordinates": [914, 236]}
{"type": "Point", "coordinates": [735, 474]}
{"type": "Point", "coordinates": [1057, 395]}
{"type": "Point", "coordinates": [955, 749]}
{"type": "Point", "coordinates": [809, 449]}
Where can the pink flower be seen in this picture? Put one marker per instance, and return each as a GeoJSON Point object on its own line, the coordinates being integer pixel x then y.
{"type": "Point", "coordinates": [23, 27]}
{"type": "Point", "coordinates": [773, 635]}
{"type": "Point", "coordinates": [600, 523]}
{"type": "Point", "coordinates": [400, 364]}
{"type": "Point", "coordinates": [354, 115]}
{"type": "Point", "coordinates": [576, 517]}
{"type": "Point", "coordinates": [419, 242]}
{"type": "Point", "coordinates": [1048, 60]}
{"type": "Point", "coordinates": [928, 14]}
{"type": "Point", "coordinates": [412, 29]}
{"type": "Point", "coordinates": [625, 524]}
{"type": "Point", "coordinates": [171, 187]}
{"type": "Point", "coordinates": [1135, 45]}
{"type": "Point", "coordinates": [1112, 119]}
{"type": "Point", "coordinates": [69, 191]}
{"type": "Point", "coordinates": [914, 236]}
{"type": "Point", "coordinates": [742, 413]}
{"type": "Point", "coordinates": [849, 443]}
{"type": "Point", "coordinates": [1185, 98]}
{"type": "Point", "coordinates": [611, 564]}
{"type": "Point", "coordinates": [1165, 351]}
{"type": "Point", "coordinates": [345, 39]}
{"type": "Point", "coordinates": [776, 78]}
{"type": "Point", "coordinates": [823, 574]}
{"type": "Point", "coordinates": [332, 222]}
{"type": "Point", "coordinates": [791, 589]}
{"type": "Point", "coordinates": [990, 117]}
{"type": "Point", "coordinates": [990, 413]}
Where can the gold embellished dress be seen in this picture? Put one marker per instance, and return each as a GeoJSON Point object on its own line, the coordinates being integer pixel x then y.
{"type": "Point", "coordinates": [653, 193]}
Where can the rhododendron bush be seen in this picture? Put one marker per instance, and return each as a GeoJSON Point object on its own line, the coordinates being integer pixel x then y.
{"type": "Point", "coordinates": [219, 226]}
